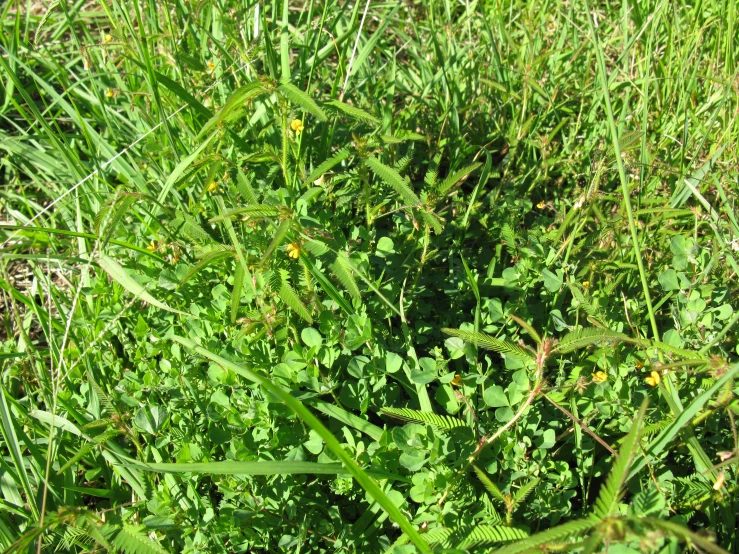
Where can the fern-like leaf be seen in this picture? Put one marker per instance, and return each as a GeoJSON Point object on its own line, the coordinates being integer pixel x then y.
{"type": "Point", "coordinates": [252, 211]}
{"type": "Point", "coordinates": [455, 178]}
{"type": "Point", "coordinates": [188, 225]}
{"type": "Point", "coordinates": [101, 396]}
{"type": "Point", "coordinates": [234, 106]}
{"type": "Point", "coordinates": [584, 302]}
{"type": "Point", "coordinates": [302, 99]}
{"type": "Point", "coordinates": [291, 299]}
{"type": "Point", "coordinates": [131, 539]}
{"type": "Point", "coordinates": [393, 178]}
{"type": "Point", "coordinates": [612, 490]}
{"type": "Point", "coordinates": [509, 237]}
{"type": "Point", "coordinates": [581, 338]}
{"type": "Point", "coordinates": [484, 535]}
{"type": "Point", "coordinates": [343, 272]}
{"type": "Point", "coordinates": [431, 176]}
{"type": "Point", "coordinates": [672, 529]}
{"type": "Point", "coordinates": [491, 487]}
{"type": "Point", "coordinates": [488, 342]}
{"type": "Point", "coordinates": [432, 221]}
{"type": "Point", "coordinates": [353, 112]}
{"type": "Point", "coordinates": [89, 447]}
{"type": "Point", "coordinates": [243, 185]}
{"type": "Point", "coordinates": [315, 247]}
{"type": "Point", "coordinates": [443, 423]}
{"type": "Point", "coordinates": [204, 262]}
{"type": "Point", "coordinates": [334, 160]}
{"type": "Point", "coordinates": [525, 490]}
{"type": "Point", "coordinates": [675, 351]}
{"type": "Point", "coordinates": [566, 531]}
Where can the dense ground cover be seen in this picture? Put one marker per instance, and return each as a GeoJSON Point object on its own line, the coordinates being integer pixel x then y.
{"type": "Point", "coordinates": [368, 276]}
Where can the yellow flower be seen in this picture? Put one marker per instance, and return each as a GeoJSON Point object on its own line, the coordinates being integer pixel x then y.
{"type": "Point", "coordinates": [211, 66]}
{"type": "Point", "coordinates": [457, 381]}
{"type": "Point", "coordinates": [719, 481]}
{"type": "Point", "coordinates": [152, 246]}
{"type": "Point", "coordinates": [297, 126]}
{"type": "Point", "coordinates": [586, 284]}
{"type": "Point", "coordinates": [541, 204]}
{"type": "Point", "coordinates": [293, 250]}
{"type": "Point", "coordinates": [600, 376]}
{"type": "Point", "coordinates": [107, 38]}
{"type": "Point", "coordinates": [109, 93]}
{"type": "Point", "coordinates": [653, 379]}
{"type": "Point", "coordinates": [213, 186]}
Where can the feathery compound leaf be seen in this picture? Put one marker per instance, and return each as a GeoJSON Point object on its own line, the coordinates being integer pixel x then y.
{"type": "Point", "coordinates": [188, 225]}
{"type": "Point", "coordinates": [525, 490]}
{"type": "Point", "coordinates": [583, 302]}
{"type": "Point", "coordinates": [612, 490]}
{"type": "Point", "coordinates": [102, 398]}
{"type": "Point", "coordinates": [581, 338]}
{"type": "Point", "coordinates": [288, 295]}
{"type": "Point", "coordinates": [456, 177]}
{"type": "Point", "coordinates": [393, 178]}
{"type": "Point", "coordinates": [490, 343]}
{"type": "Point", "coordinates": [432, 221]}
{"type": "Point", "coordinates": [131, 539]}
{"type": "Point", "coordinates": [116, 199]}
{"type": "Point", "coordinates": [343, 272]}
{"type": "Point", "coordinates": [432, 173]}
{"type": "Point", "coordinates": [253, 211]}
{"type": "Point", "coordinates": [491, 487]}
{"type": "Point", "coordinates": [337, 158]}
{"type": "Point", "coordinates": [234, 106]}
{"type": "Point", "coordinates": [403, 163]}
{"type": "Point", "coordinates": [678, 531]}
{"type": "Point", "coordinates": [675, 351]}
{"type": "Point", "coordinates": [302, 99]}
{"type": "Point", "coordinates": [315, 247]}
{"type": "Point", "coordinates": [443, 423]}
{"type": "Point", "coordinates": [509, 236]}
{"type": "Point", "coordinates": [243, 185]}
{"type": "Point", "coordinates": [355, 113]}
{"type": "Point", "coordinates": [567, 530]}
{"type": "Point", "coordinates": [204, 262]}
{"type": "Point", "coordinates": [484, 535]}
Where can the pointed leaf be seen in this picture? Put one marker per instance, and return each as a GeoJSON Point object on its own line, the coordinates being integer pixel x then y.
{"type": "Point", "coordinates": [393, 178]}
{"type": "Point", "coordinates": [119, 275]}
{"type": "Point", "coordinates": [302, 99]}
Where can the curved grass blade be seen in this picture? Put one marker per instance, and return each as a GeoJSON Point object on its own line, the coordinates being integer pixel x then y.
{"type": "Point", "coordinates": [262, 468]}
{"type": "Point", "coordinates": [121, 276]}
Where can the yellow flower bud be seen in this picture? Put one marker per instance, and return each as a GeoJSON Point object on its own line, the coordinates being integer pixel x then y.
{"type": "Point", "coordinates": [653, 379]}
{"type": "Point", "coordinates": [600, 377]}
{"type": "Point", "coordinates": [297, 126]}
{"type": "Point", "coordinates": [293, 250]}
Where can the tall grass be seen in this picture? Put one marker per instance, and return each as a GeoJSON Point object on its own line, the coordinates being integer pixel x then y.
{"type": "Point", "coordinates": [304, 194]}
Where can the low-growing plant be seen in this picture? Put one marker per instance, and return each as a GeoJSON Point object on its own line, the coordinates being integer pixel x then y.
{"type": "Point", "coordinates": [368, 277]}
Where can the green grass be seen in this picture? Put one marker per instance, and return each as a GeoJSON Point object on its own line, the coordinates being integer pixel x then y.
{"type": "Point", "coordinates": [368, 277]}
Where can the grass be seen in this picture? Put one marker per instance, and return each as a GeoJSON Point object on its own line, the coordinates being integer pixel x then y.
{"type": "Point", "coordinates": [368, 277]}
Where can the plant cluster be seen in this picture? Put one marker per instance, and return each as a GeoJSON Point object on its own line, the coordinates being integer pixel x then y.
{"type": "Point", "coordinates": [383, 277]}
